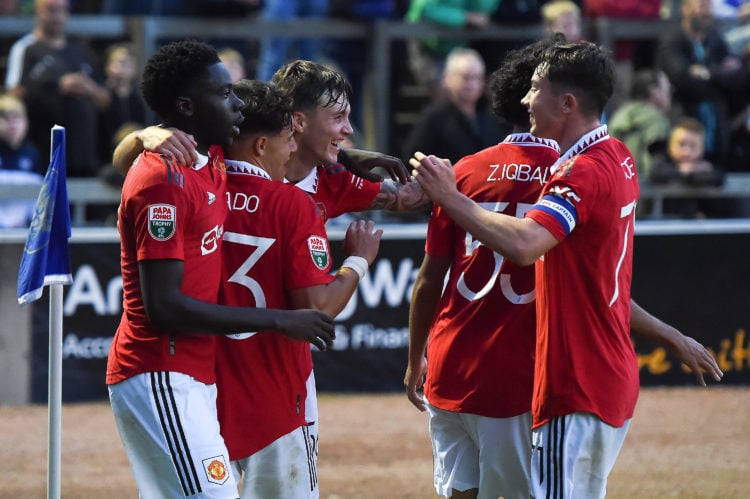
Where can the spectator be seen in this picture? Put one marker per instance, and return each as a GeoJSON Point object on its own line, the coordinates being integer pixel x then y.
{"type": "Point", "coordinates": [643, 120]}
{"type": "Point", "coordinates": [563, 16]}
{"type": "Point", "coordinates": [56, 78]}
{"type": "Point", "coordinates": [235, 63]}
{"type": "Point", "coordinates": [683, 162]}
{"type": "Point", "coordinates": [274, 52]}
{"type": "Point", "coordinates": [126, 108]}
{"type": "Point", "coordinates": [461, 122]}
{"type": "Point", "coordinates": [738, 37]}
{"type": "Point", "coordinates": [426, 57]}
{"type": "Point", "coordinates": [704, 74]}
{"type": "Point", "coordinates": [627, 53]}
{"type": "Point", "coordinates": [20, 162]}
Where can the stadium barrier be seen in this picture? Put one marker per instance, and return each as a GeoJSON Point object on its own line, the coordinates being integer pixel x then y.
{"type": "Point", "coordinates": [693, 275]}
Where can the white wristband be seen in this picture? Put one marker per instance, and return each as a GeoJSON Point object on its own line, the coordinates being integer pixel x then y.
{"type": "Point", "coordinates": [357, 264]}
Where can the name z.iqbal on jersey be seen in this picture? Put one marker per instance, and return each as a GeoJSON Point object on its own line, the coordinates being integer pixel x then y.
{"type": "Point", "coordinates": [519, 173]}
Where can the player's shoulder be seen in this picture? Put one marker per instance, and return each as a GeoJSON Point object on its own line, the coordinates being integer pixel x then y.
{"type": "Point", "coordinates": [332, 170]}
{"type": "Point", "coordinates": [151, 168]}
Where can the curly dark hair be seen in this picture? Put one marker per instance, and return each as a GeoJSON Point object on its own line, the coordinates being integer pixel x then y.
{"type": "Point", "coordinates": [267, 109]}
{"type": "Point", "coordinates": [310, 84]}
{"type": "Point", "coordinates": [512, 80]}
{"type": "Point", "coordinates": [171, 70]}
{"type": "Point", "coordinates": [583, 69]}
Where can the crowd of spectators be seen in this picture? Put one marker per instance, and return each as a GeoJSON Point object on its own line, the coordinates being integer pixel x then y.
{"type": "Point", "coordinates": [696, 69]}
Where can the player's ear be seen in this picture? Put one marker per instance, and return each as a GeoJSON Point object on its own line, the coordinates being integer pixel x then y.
{"type": "Point", "coordinates": [568, 102]}
{"type": "Point", "coordinates": [259, 145]}
{"type": "Point", "coordinates": [184, 106]}
{"type": "Point", "coordinates": [299, 121]}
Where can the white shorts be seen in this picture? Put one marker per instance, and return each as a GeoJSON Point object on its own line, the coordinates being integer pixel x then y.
{"type": "Point", "coordinates": [285, 469]}
{"type": "Point", "coordinates": [168, 426]}
{"type": "Point", "coordinates": [478, 452]}
{"type": "Point", "coordinates": [573, 456]}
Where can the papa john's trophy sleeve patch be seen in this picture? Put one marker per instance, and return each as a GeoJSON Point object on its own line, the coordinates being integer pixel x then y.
{"type": "Point", "coordinates": [318, 247]}
{"type": "Point", "coordinates": [162, 219]}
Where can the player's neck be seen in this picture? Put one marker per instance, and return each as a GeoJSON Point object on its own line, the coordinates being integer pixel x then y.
{"type": "Point", "coordinates": [298, 167]}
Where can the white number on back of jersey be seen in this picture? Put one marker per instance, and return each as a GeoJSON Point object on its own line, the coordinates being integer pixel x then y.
{"type": "Point", "coordinates": [261, 244]}
{"type": "Point", "coordinates": [472, 245]}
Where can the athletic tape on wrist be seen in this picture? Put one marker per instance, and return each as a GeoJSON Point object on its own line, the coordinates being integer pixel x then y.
{"type": "Point", "coordinates": [357, 264]}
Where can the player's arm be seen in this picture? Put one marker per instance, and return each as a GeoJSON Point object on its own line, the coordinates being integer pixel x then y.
{"type": "Point", "coordinates": [167, 307]}
{"type": "Point", "coordinates": [170, 141]}
{"type": "Point", "coordinates": [428, 288]}
{"type": "Point", "coordinates": [361, 163]}
{"type": "Point", "coordinates": [522, 240]}
{"type": "Point", "coordinates": [690, 352]}
{"type": "Point", "coordinates": [362, 243]}
{"type": "Point", "coordinates": [401, 197]}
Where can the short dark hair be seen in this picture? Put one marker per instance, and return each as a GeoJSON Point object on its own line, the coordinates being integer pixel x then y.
{"type": "Point", "coordinates": [644, 81]}
{"type": "Point", "coordinates": [584, 70]}
{"type": "Point", "coordinates": [267, 109]}
{"type": "Point", "coordinates": [172, 69]}
{"type": "Point", "coordinates": [310, 84]}
{"type": "Point", "coordinates": [512, 80]}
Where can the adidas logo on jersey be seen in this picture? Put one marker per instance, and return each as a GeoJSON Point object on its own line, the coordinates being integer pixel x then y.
{"type": "Point", "coordinates": [211, 198]}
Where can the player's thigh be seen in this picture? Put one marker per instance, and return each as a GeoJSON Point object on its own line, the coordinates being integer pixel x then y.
{"type": "Point", "coordinates": [504, 455]}
{"type": "Point", "coordinates": [169, 429]}
{"type": "Point", "coordinates": [573, 455]}
{"type": "Point", "coordinates": [284, 469]}
{"type": "Point", "coordinates": [454, 452]}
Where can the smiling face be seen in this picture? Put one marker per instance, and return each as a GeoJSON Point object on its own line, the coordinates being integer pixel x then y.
{"type": "Point", "coordinates": [321, 131]}
{"type": "Point", "coordinates": [215, 110]}
{"type": "Point", "coordinates": [544, 105]}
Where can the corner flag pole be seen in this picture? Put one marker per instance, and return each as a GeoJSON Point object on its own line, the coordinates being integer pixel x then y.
{"type": "Point", "coordinates": [46, 261]}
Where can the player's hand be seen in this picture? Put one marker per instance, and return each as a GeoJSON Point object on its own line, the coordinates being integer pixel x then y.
{"type": "Point", "coordinates": [413, 381]}
{"type": "Point", "coordinates": [361, 163]}
{"type": "Point", "coordinates": [312, 326]}
{"type": "Point", "coordinates": [171, 142]}
{"type": "Point", "coordinates": [698, 359]}
{"type": "Point", "coordinates": [435, 175]}
{"type": "Point", "coordinates": [362, 240]}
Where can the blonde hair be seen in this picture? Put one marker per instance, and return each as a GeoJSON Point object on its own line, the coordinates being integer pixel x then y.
{"type": "Point", "coordinates": [9, 103]}
{"type": "Point", "coordinates": [556, 8]}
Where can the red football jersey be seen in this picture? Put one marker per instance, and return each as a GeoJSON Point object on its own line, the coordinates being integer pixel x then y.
{"type": "Point", "coordinates": [481, 346]}
{"type": "Point", "coordinates": [336, 190]}
{"type": "Point", "coordinates": [585, 359]}
{"type": "Point", "coordinates": [274, 241]}
{"type": "Point", "coordinates": [168, 211]}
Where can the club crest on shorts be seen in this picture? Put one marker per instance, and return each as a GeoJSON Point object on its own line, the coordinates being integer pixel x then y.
{"type": "Point", "coordinates": [216, 469]}
{"type": "Point", "coordinates": [318, 251]}
{"type": "Point", "coordinates": [162, 219]}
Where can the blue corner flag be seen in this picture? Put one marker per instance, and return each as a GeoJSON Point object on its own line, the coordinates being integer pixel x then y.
{"type": "Point", "coordinates": [45, 257]}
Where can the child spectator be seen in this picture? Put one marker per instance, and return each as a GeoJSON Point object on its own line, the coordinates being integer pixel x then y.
{"type": "Point", "coordinates": [20, 162]}
{"type": "Point", "coordinates": [684, 162]}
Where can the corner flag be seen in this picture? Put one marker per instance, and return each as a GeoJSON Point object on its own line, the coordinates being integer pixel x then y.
{"type": "Point", "coordinates": [45, 257]}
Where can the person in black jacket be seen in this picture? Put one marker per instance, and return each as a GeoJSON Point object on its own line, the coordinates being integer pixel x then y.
{"type": "Point", "coordinates": [461, 122]}
{"type": "Point", "coordinates": [704, 73]}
